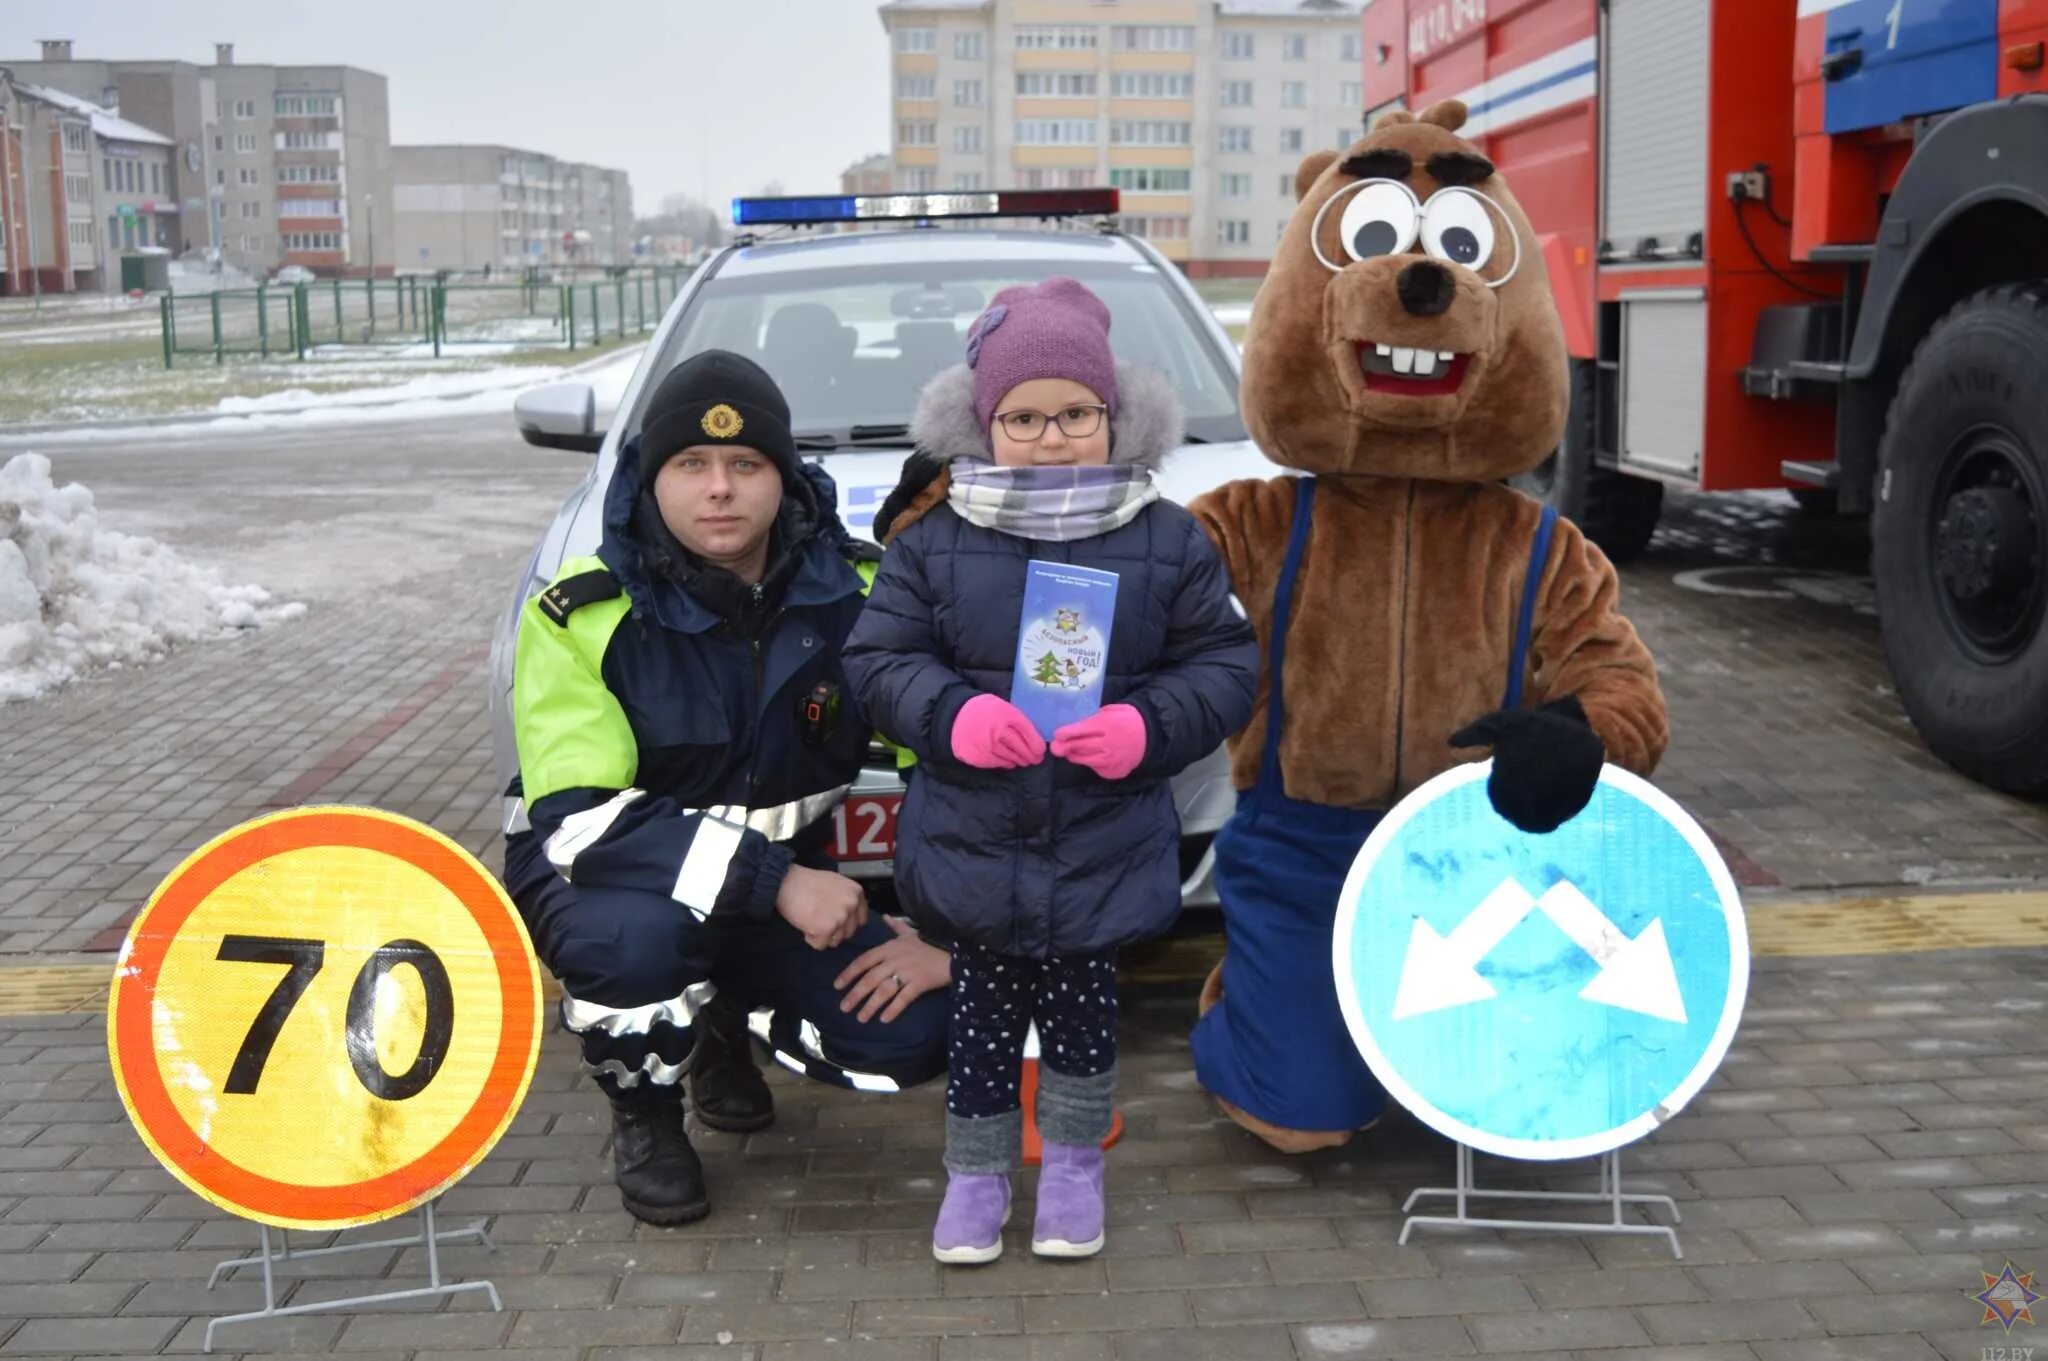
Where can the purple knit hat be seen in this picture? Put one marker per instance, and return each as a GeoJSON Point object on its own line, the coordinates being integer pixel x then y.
{"type": "Point", "coordinates": [1054, 329]}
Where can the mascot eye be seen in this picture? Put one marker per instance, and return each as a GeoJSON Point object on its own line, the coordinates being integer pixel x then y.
{"type": "Point", "coordinates": [1456, 227]}
{"type": "Point", "coordinates": [1379, 220]}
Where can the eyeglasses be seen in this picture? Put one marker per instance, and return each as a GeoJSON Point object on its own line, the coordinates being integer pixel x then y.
{"type": "Point", "coordinates": [1028, 427]}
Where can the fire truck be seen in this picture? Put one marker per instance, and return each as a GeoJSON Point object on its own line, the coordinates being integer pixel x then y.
{"type": "Point", "coordinates": [1795, 244]}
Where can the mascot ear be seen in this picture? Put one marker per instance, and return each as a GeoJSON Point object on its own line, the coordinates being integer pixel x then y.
{"type": "Point", "coordinates": [1312, 167]}
{"type": "Point", "coordinates": [1448, 114]}
{"type": "Point", "coordinates": [1392, 118]}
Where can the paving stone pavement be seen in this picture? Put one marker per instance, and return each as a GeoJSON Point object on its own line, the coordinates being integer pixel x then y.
{"type": "Point", "coordinates": [1874, 1142]}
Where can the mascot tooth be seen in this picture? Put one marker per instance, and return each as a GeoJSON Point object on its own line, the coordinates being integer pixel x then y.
{"type": "Point", "coordinates": [1404, 355]}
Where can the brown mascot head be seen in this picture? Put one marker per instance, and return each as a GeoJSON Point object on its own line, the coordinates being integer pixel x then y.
{"type": "Point", "coordinates": [1406, 327]}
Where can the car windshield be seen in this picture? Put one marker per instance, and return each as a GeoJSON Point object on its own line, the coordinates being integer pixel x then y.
{"type": "Point", "coordinates": [852, 347]}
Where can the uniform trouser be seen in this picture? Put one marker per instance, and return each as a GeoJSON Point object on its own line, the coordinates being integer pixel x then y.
{"type": "Point", "coordinates": [637, 967]}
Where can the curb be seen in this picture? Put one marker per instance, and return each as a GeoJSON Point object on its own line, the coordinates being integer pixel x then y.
{"type": "Point", "coordinates": [19, 432]}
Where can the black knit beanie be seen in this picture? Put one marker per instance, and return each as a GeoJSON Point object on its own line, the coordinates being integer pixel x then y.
{"type": "Point", "coordinates": [717, 397]}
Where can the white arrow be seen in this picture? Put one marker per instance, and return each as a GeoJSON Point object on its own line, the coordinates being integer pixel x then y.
{"type": "Point", "coordinates": [1440, 972]}
{"type": "Point", "coordinates": [1635, 975]}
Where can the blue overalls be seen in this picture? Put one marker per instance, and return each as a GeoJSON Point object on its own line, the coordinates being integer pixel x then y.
{"type": "Point", "coordinates": [1276, 1046]}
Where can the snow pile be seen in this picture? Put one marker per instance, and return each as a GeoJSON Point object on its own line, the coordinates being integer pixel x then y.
{"type": "Point", "coordinates": [75, 595]}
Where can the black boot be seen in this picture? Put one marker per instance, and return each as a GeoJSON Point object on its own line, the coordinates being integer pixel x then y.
{"type": "Point", "coordinates": [660, 1178]}
{"type": "Point", "coordinates": [726, 1087]}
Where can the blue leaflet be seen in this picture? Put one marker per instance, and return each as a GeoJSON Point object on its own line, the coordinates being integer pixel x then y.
{"type": "Point", "coordinates": [1062, 643]}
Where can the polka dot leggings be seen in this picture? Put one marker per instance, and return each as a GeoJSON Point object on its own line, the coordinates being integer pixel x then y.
{"type": "Point", "coordinates": [995, 1000]}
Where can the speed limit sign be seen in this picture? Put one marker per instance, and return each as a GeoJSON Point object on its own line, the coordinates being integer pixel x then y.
{"type": "Point", "coordinates": [325, 1017]}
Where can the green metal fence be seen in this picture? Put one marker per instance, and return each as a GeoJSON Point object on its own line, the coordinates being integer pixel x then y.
{"type": "Point", "coordinates": [293, 321]}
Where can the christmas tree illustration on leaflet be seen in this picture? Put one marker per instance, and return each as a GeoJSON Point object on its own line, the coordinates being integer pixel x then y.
{"type": "Point", "coordinates": [1048, 670]}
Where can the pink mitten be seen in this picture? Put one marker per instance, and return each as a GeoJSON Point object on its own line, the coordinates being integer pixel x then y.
{"type": "Point", "coordinates": [1110, 743]}
{"type": "Point", "coordinates": [990, 732]}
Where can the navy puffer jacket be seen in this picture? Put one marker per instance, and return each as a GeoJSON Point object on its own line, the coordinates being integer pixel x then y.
{"type": "Point", "coordinates": [1053, 859]}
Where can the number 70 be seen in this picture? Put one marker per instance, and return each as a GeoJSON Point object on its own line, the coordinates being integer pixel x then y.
{"type": "Point", "coordinates": [360, 1028]}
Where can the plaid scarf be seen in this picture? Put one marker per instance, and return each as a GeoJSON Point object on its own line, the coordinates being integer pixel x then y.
{"type": "Point", "coordinates": [1061, 504]}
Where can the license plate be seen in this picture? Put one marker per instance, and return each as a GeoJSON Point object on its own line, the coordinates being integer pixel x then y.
{"type": "Point", "coordinates": [864, 827]}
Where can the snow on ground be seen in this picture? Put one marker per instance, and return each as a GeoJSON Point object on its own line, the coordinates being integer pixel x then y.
{"type": "Point", "coordinates": [485, 392]}
{"type": "Point", "coordinates": [76, 596]}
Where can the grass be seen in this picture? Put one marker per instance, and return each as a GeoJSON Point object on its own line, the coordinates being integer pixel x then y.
{"type": "Point", "coordinates": [99, 379]}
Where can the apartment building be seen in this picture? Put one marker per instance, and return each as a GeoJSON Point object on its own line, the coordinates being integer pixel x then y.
{"type": "Point", "coordinates": [1198, 110]}
{"type": "Point", "coordinates": [869, 175]}
{"type": "Point", "coordinates": [273, 165]}
{"type": "Point", "coordinates": [471, 206]}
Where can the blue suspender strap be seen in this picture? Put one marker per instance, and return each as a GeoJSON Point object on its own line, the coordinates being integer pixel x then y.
{"type": "Point", "coordinates": [1283, 606]}
{"type": "Point", "coordinates": [1539, 555]}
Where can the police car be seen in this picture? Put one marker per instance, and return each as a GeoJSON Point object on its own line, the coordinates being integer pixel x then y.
{"type": "Point", "coordinates": [851, 323]}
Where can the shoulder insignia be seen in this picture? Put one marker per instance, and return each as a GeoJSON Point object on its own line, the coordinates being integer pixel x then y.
{"type": "Point", "coordinates": [570, 594]}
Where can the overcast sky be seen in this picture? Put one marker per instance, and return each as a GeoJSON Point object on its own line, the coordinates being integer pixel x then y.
{"type": "Point", "coordinates": [706, 97]}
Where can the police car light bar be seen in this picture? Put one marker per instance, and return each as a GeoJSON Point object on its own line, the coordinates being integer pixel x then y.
{"type": "Point", "coordinates": [809, 211]}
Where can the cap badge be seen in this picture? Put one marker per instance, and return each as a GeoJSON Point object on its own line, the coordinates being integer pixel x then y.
{"type": "Point", "coordinates": [722, 422]}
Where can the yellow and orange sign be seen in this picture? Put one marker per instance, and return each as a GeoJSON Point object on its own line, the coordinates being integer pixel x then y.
{"type": "Point", "coordinates": [325, 1017]}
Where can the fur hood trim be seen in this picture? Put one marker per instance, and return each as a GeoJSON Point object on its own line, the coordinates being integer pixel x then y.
{"type": "Point", "coordinates": [1146, 428]}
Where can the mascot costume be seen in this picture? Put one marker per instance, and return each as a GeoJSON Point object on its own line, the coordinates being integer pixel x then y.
{"type": "Point", "coordinates": [1405, 356]}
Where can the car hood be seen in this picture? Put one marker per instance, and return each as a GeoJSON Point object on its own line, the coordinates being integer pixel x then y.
{"type": "Point", "coordinates": [864, 479]}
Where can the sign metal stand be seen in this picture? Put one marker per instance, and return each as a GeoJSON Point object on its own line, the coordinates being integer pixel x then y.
{"type": "Point", "coordinates": [428, 1235]}
{"type": "Point", "coordinates": [1610, 1194]}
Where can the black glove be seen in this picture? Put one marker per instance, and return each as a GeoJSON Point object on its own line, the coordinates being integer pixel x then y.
{"type": "Point", "coordinates": [1546, 762]}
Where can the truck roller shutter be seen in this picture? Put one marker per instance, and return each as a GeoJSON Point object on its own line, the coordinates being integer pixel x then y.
{"type": "Point", "coordinates": [1653, 76]}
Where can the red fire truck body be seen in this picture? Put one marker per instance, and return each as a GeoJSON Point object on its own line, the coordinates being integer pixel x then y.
{"type": "Point", "coordinates": [1795, 244]}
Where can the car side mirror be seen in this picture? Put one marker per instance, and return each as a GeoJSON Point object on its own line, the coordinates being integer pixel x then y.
{"type": "Point", "coordinates": [559, 416]}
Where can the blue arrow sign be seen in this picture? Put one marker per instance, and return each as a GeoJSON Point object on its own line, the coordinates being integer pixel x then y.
{"type": "Point", "coordinates": [1550, 996]}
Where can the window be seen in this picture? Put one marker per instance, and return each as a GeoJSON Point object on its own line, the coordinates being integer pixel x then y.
{"type": "Point", "coordinates": [252, 211]}
{"type": "Point", "coordinates": [1056, 84]}
{"type": "Point", "coordinates": [1031, 179]}
{"type": "Point", "coordinates": [1055, 37]}
{"type": "Point", "coordinates": [917, 87]}
{"type": "Point", "coordinates": [1236, 186]}
{"type": "Point", "coordinates": [81, 232]}
{"type": "Point", "coordinates": [1154, 37]}
{"type": "Point", "coordinates": [245, 142]}
{"type": "Point", "coordinates": [305, 207]}
{"type": "Point", "coordinates": [918, 179]}
{"type": "Point", "coordinates": [248, 176]}
{"type": "Point", "coordinates": [1152, 85]}
{"type": "Point", "coordinates": [968, 140]}
{"type": "Point", "coordinates": [1157, 228]}
{"type": "Point", "coordinates": [1234, 139]}
{"type": "Point", "coordinates": [1287, 184]}
{"type": "Point", "coordinates": [1345, 137]}
{"type": "Point", "coordinates": [967, 94]}
{"type": "Point", "coordinates": [967, 179]}
{"type": "Point", "coordinates": [1290, 141]}
{"type": "Point", "coordinates": [1294, 47]}
{"type": "Point", "coordinates": [1077, 179]}
{"type": "Point", "coordinates": [1293, 94]}
{"type": "Point", "coordinates": [917, 134]}
{"type": "Point", "coordinates": [1351, 94]}
{"type": "Point", "coordinates": [107, 175]}
{"type": "Point", "coordinates": [306, 174]}
{"type": "Point", "coordinates": [220, 177]}
{"type": "Point", "coordinates": [1239, 47]}
{"type": "Point", "coordinates": [1149, 132]}
{"type": "Point", "coordinates": [1237, 94]}
{"type": "Point", "coordinates": [245, 108]}
{"type": "Point", "coordinates": [300, 106]}
{"type": "Point", "coordinates": [219, 142]}
{"type": "Point", "coordinates": [75, 138]}
{"type": "Point", "coordinates": [1233, 233]}
{"type": "Point", "coordinates": [967, 47]}
{"type": "Point", "coordinates": [128, 233]}
{"type": "Point", "coordinates": [156, 178]}
{"type": "Point", "coordinates": [251, 244]}
{"type": "Point", "coordinates": [78, 188]}
{"type": "Point", "coordinates": [307, 240]}
{"type": "Point", "coordinates": [917, 40]}
{"type": "Point", "coordinates": [1351, 47]}
{"type": "Point", "coordinates": [1152, 180]}
{"type": "Point", "coordinates": [1056, 132]}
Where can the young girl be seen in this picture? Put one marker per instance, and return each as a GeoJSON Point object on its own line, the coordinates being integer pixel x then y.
{"type": "Point", "coordinates": [1042, 852]}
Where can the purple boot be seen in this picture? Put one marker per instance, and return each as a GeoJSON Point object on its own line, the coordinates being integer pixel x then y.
{"type": "Point", "coordinates": [1069, 1201]}
{"type": "Point", "coordinates": [971, 1218]}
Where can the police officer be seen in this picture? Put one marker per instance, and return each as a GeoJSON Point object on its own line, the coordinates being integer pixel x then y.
{"type": "Point", "coordinates": [683, 740]}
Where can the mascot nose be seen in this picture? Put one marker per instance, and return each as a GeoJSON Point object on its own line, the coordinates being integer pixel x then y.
{"type": "Point", "coordinates": [1426, 289]}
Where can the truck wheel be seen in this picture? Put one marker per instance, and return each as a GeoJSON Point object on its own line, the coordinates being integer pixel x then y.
{"type": "Point", "coordinates": [1614, 510]}
{"type": "Point", "coordinates": [1960, 538]}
